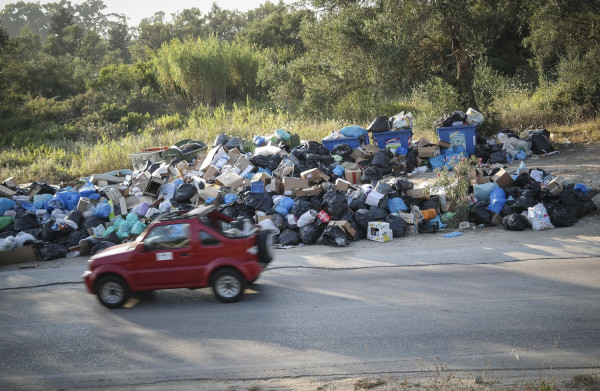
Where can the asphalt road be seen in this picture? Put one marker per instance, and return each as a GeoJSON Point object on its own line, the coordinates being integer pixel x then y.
{"type": "Point", "coordinates": [486, 301]}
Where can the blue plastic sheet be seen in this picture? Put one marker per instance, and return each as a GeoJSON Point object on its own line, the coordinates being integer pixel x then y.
{"type": "Point", "coordinates": [64, 200]}
{"type": "Point", "coordinates": [581, 187]}
{"type": "Point", "coordinates": [229, 198]}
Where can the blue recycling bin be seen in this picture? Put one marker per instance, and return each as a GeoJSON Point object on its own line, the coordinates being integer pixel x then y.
{"type": "Point", "coordinates": [464, 136]}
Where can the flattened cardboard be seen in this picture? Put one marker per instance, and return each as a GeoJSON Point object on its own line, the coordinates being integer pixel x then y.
{"type": "Point", "coordinates": [556, 185]}
{"type": "Point", "coordinates": [212, 157]}
{"type": "Point", "coordinates": [416, 193]}
{"type": "Point", "coordinates": [345, 226]}
{"type": "Point", "coordinates": [210, 172]}
{"type": "Point", "coordinates": [341, 184]}
{"type": "Point", "coordinates": [428, 151]}
{"type": "Point", "coordinates": [18, 255]}
{"type": "Point", "coordinates": [309, 191]}
{"type": "Point", "coordinates": [230, 179]}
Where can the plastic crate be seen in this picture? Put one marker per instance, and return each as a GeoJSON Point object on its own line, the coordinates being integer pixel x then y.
{"type": "Point", "coordinates": [352, 142]}
{"type": "Point", "coordinates": [464, 136]}
{"type": "Point", "coordinates": [404, 136]}
{"type": "Point", "coordinates": [139, 160]}
{"type": "Point", "coordinates": [189, 157]}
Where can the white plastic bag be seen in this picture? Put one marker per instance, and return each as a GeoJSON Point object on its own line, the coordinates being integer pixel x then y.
{"type": "Point", "coordinates": [538, 218]}
{"type": "Point", "coordinates": [307, 218]}
{"type": "Point", "coordinates": [474, 117]}
{"type": "Point", "coordinates": [292, 220]}
{"type": "Point", "coordinates": [23, 237]}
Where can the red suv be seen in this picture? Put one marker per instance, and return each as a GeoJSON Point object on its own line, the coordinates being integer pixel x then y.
{"type": "Point", "coordinates": [193, 249]}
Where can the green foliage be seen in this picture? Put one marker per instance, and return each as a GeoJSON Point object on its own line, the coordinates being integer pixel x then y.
{"type": "Point", "coordinates": [135, 121]}
{"type": "Point", "coordinates": [169, 122]}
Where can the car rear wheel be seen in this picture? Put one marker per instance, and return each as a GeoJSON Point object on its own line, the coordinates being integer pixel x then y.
{"type": "Point", "coordinates": [228, 285]}
{"type": "Point", "coordinates": [112, 291]}
{"type": "Point", "coordinates": [265, 246]}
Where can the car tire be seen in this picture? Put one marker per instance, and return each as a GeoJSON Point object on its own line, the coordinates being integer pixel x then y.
{"type": "Point", "coordinates": [112, 291]}
{"type": "Point", "coordinates": [228, 285]}
{"type": "Point", "coordinates": [265, 246]}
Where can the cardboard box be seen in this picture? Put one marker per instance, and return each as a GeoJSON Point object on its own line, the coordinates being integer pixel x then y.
{"type": "Point", "coordinates": [353, 176]}
{"type": "Point", "coordinates": [503, 179]}
{"type": "Point", "coordinates": [412, 229]}
{"type": "Point", "coordinates": [379, 231]}
{"type": "Point", "coordinates": [416, 193]}
{"type": "Point", "coordinates": [153, 187]}
{"type": "Point", "coordinates": [309, 191]}
{"type": "Point", "coordinates": [350, 166]}
{"type": "Point", "coordinates": [242, 163]}
{"type": "Point", "coordinates": [556, 185]}
{"type": "Point", "coordinates": [413, 217]}
{"type": "Point", "coordinates": [443, 144]}
{"type": "Point", "coordinates": [342, 184]}
{"type": "Point", "coordinates": [263, 177]}
{"type": "Point", "coordinates": [230, 179]}
{"type": "Point", "coordinates": [260, 218]}
{"type": "Point", "coordinates": [290, 185]}
{"type": "Point", "coordinates": [357, 154]}
{"type": "Point", "coordinates": [345, 226]}
{"type": "Point", "coordinates": [18, 255]}
{"type": "Point", "coordinates": [210, 172]}
{"type": "Point", "coordinates": [429, 151]}
{"type": "Point", "coordinates": [208, 192]}
{"type": "Point", "coordinates": [314, 176]}
{"type": "Point", "coordinates": [212, 157]}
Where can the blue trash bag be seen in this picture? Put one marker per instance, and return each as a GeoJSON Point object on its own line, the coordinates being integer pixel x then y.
{"type": "Point", "coordinates": [482, 192]}
{"type": "Point", "coordinates": [581, 188]}
{"type": "Point", "coordinates": [284, 206]}
{"type": "Point", "coordinates": [117, 222]}
{"type": "Point", "coordinates": [497, 200]}
{"type": "Point", "coordinates": [29, 206]}
{"type": "Point", "coordinates": [64, 200]}
{"type": "Point", "coordinates": [6, 204]}
{"type": "Point", "coordinates": [521, 155]}
{"type": "Point", "coordinates": [437, 162]}
{"type": "Point", "coordinates": [40, 201]}
{"type": "Point", "coordinates": [229, 198]}
{"type": "Point", "coordinates": [353, 131]}
{"type": "Point", "coordinates": [397, 205]}
{"type": "Point", "coordinates": [339, 171]}
{"type": "Point", "coordinates": [401, 151]}
{"type": "Point", "coordinates": [138, 228]}
{"type": "Point", "coordinates": [102, 210]}
{"type": "Point", "coordinates": [132, 218]}
{"type": "Point", "coordinates": [124, 230]}
{"type": "Point", "coordinates": [89, 190]}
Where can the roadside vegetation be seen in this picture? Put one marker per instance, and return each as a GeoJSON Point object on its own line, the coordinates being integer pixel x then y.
{"type": "Point", "coordinates": [80, 90]}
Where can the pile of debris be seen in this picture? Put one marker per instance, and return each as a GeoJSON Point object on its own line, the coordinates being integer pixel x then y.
{"type": "Point", "coordinates": [307, 193]}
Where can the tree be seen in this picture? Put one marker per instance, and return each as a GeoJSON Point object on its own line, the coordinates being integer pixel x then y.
{"type": "Point", "coordinates": [17, 15]}
{"type": "Point", "coordinates": [190, 23]}
{"type": "Point", "coordinates": [92, 48]}
{"type": "Point", "coordinates": [61, 20]}
{"type": "Point", "coordinates": [118, 40]}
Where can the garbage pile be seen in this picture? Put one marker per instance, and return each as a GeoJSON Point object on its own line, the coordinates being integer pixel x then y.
{"type": "Point", "coordinates": [308, 192]}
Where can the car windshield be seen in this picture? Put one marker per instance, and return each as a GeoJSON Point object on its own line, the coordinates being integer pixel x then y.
{"type": "Point", "coordinates": [231, 229]}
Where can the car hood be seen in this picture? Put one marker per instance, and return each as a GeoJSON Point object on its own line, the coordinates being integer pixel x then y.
{"type": "Point", "coordinates": [114, 250]}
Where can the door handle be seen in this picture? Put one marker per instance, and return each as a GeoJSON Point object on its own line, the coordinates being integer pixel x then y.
{"type": "Point", "coordinates": [185, 254]}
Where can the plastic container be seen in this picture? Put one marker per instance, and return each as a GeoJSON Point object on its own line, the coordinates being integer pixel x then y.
{"type": "Point", "coordinates": [352, 142]}
{"type": "Point", "coordinates": [138, 160]}
{"type": "Point", "coordinates": [403, 136]}
{"type": "Point", "coordinates": [465, 136]}
{"type": "Point", "coordinates": [173, 153]}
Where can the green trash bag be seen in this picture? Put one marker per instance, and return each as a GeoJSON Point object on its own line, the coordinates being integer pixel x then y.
{"type": "Point", "coordinates": [5, 221]}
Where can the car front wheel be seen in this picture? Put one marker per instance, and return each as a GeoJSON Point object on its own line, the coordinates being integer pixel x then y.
{"type": "Point", "coordinates": [228, 285]}
{"type": "Point", "coordinates": [112, 291]}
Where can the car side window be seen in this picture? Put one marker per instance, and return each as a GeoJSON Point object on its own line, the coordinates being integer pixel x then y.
{"type": "Point", "coordinates": [207, 239]}
{"type": "Point", "coordinates": [164, 237]}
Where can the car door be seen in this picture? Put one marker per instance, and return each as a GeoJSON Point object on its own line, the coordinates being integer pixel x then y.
{"type": "Point", "coordinates": [167, 258]}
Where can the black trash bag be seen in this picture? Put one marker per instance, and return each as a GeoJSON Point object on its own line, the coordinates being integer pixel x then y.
{"type": "Point", "coordinates": [432, 203]}
{"type": "Point", "coordinates": [397, 225]}
{"type": "Point", "coordinates": [314, 159]}
{"type": "Point", "coordinates": [101, 245]}
{"type": "Point", "coordinates": [525, 201]}
{"type": "Point", "coordinates": [362, 218]}
{"type": "Point", "coordinates": [233, 143]}
{"type": "Point", "coordinates": [333, 236]}
{"type": "Point", "coordinates": [380, 124]}
{"type": "Point", "coordinates": [75, 237]}
{"type": "Point", "coordinates": [449, 119]}
{"type": "Point", "coordinates": [401, 185]}
{"type": "Point", "coordinates": [27, 221]}
{"type": "Point", "coordinates": [300, 207]}
{"type": "Point", "coordinates": [245, 212]}
{"type": "Point", "coordinates": [382, 159]}
{"type": "Point", "coordinates": [513, 191]}
{"type": "Point", "coordinates": [509, 133]}
{"type": "Point", "coordinates": [316, 202]}
{"type": "Point", "coordinates": [479, 214]}
{"type": "Point", "coordinates": [44, 188]}
{"type": "Point", "coordinates": [342, 150]}
{"type": "Point", "coordinates": [525, 181]}
{"type": "Point", "coordinates": [269, 162]}
{"type": "Point", "coordinates": [112, 237]}
{"type": "Point", "coordinates": [429, 226]}
{"type": "Point", "coordinates": [37, 232]}
{"type": "Point", "coordinates": [383, 203]}
{"type": "Point", "coordinates": [259, 201]}
{"type": "Point", "coordinates": [231, 211]}
{"type": "Point", "coordinates": [76, 217]}
{"type": "Point", "coordinates": [377, 213]}
{"type": "Point", "coordinates": [540, 144]}
{"type": "Point", "coordinates": [561, 213]}
{"type": "Point", "coordinates": [185, 193]}
{"type": "Point", "coordinates": [541, 131]}
{"type": "Point", "coordinates": [335, 204]}
{"type": "Point", "coordinates": [359, 202]}
{"type": "Point", "coordinates": [411, 160]}
{"type": "Point", "coordinates": [49, 235]}
{"type": "Point", "coordinates": [508, 209]}
{"type": "Point", "coordinates": [221, 140]}
{"type": "Point", "coordinates": [578, 199]}
{"type": "Point", "coordinates": [289, 237]}
{"type": "Point", "coordinates": [515, 222]}
{"type": "Point", "coordinates": [50, 251]}
{"type": "Point", "coordinates": [310, 233]}
{"type": "Point", "coordinates": [280, 221]}
{"type": "Point", "coordinates": [371, 175]}
{"type": "Point", "coordinates": [498, 157]}
{"type": "Point", "coordinates": [348, 216]}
